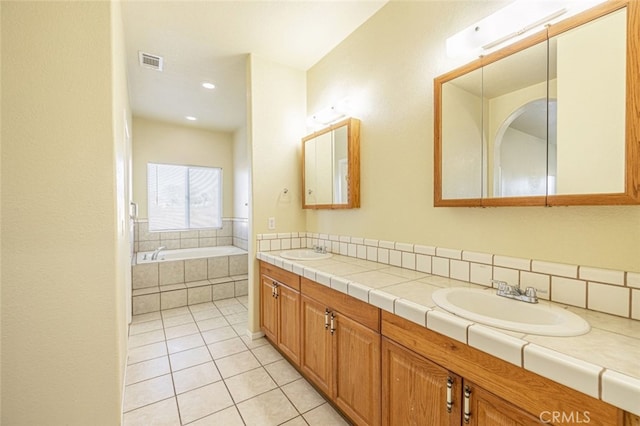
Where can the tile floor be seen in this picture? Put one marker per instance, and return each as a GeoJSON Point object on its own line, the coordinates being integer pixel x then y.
{"type": "Point", "coordinates": [194, 365]}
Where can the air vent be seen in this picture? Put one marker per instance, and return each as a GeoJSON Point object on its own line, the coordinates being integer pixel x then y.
{"type": "Point", "coordinates": [148, 60]}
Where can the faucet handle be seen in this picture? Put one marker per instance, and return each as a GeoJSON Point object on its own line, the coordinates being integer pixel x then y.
{"type": "Point", "coordinates": [530, 292]}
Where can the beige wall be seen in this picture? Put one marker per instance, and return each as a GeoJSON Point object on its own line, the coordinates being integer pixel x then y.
{"type": "Point", "coordinates": [161, 142]}
{"type": "Point", "coordinates": [62, 326]}
{"type": "Point", "coordinates": [277, 118]}
{"type": "Point", "coordinates": [387, 67]}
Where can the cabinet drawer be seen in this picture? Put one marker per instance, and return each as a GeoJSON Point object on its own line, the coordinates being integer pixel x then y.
{"type": "Point", "coordinates": [365, 314]}
{"type": "Point", "coordinates": [278, 274]}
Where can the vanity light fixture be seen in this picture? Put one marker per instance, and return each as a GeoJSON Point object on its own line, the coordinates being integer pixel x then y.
{"type": "Point", "coordinates": [208, 85]}
{"type": "Point", "coordinates": [190, 117]}
{"type": "Point", "coordinates": [511, 23]}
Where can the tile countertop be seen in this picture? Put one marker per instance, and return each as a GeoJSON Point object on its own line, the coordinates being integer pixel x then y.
{"type": "Point", "coordinates": [604, 363]}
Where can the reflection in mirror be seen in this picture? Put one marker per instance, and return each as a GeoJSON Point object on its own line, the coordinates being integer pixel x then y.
{"type": "Point", "coordinates": [515, 117]}
{"type": "Point", "coordinates": [522, 152]}
{"type": "Point", "coordinates": [462, 153]}
{"type": "Point", "coordinates": [331, 167]}
{"type": "Point", "coordinates": [591, 91]}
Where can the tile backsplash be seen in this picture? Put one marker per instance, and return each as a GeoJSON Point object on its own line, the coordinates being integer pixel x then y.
{"type": "Point", "coordinates": [234, 232]}
{"type": "Point", "coordinates": [604, 290]}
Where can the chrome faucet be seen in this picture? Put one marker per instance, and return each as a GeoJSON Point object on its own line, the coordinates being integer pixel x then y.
{"type": "Point", "coordinates": [156, 252]}
{"type": "Point", "coordinates": [320, 249]}
{"type": "Point", "coordinates": [528, 295]}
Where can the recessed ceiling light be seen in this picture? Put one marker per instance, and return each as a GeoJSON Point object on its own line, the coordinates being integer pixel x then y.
{"type": "Point", "coordinates": [208, 85]}
{"type": "Point", "coordinates": [190, 118]}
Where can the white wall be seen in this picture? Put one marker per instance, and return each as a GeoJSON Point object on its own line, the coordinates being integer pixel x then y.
{"type": "Point", "coordinates": [241, 171]}
{"type": "Point", "coordinates": [277, 124]}
{"type": "Point", "coordinates": [160, 142]}
{"type": "Point", "coordinates": [62, 322]}
{"type": "Point", "coordinates": [387, 67]}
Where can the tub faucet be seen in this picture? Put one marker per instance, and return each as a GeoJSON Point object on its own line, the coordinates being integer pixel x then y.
{"type": "Point", "coordinates": [156, 252]}
{"type": "Point", "coordinates": [528, 295]}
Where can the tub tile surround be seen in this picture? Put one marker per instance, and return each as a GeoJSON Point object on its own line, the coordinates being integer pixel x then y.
{"type": "Point", "coordinates": [602, 363]}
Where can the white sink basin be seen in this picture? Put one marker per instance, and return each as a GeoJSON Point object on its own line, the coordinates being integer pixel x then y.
{"type": "Point", "coordinates": [304, 254]}
{"type": "Point", "coordinates": [483, 306]}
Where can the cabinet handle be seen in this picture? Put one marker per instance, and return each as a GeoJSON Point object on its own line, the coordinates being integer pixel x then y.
{"type": "Point", "coordinates": [275, 290]}
{"type": "Point", "coordinates": [326, 319]}
{"type": "Point", "coordinates": [467, 404]}
{"type": "Point", "coordinates": [333, 328]}
{"type": "Point", "coordinates": [449, 394]}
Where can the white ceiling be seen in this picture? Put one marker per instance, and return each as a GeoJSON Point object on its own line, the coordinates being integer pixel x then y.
{"type": "Point", "coordinates": [209, 40]}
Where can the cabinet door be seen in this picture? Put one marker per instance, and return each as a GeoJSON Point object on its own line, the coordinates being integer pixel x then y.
{"type": "Point", "coordinates": [415, 390]}
{"type": "Point", "coordinates": [356, 351]}
{"type": "Point", "coordinates": [316, 345]}
{"type": "Point", "coordinates": [289, 322]}
{"type": "Point", "coordinates": [268, 308]}
{"type": "Point", "coordinates": [488, 409]}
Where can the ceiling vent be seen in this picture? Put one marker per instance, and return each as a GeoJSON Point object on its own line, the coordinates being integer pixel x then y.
{"type": "Point", "coordinates": [148, 60]}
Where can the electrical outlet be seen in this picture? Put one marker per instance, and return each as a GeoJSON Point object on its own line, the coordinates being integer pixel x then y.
{"type": "Point", "coordinates": [272, 223]}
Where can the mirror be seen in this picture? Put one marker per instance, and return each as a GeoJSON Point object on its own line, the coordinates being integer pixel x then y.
{"type": "Point", "coordinates": [331, 167]}
{"type": "Point", "coordinates": [545, 121]}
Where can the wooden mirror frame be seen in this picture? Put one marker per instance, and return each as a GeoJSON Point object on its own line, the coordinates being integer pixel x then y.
{"type": "Point", "coordinates": [631, 194]}
{"type": "Point", "coordinates": [353, 161]}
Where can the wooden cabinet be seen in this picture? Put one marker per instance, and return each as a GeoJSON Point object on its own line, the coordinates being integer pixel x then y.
{"type": "Point", "coordinates": [280, 309]}
{"type": "Point", "coordinates": [341, 350]}
{"type": "Point", "coordinates": [417, 391]}
{"type": "Point", "coordinates": [491, 391]}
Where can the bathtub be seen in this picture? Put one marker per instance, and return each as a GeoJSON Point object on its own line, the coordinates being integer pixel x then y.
{"type": "Point", "coordinates": [190, 253]}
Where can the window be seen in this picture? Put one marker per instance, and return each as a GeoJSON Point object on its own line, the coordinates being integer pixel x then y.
{"type": "Point", "coordinates": [184, 197]}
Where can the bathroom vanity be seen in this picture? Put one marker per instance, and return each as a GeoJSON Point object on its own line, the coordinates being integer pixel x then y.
{"type": "Point", "coordinates": [385, 366]}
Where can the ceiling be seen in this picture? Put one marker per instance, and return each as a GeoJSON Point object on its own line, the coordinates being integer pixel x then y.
{"type": "Point", "coordinates": [209, 41]}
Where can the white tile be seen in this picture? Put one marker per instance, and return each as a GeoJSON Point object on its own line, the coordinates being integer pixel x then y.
{"type": "Point", "coordinates": [459, 270]}
{"type": "Point", "coordinates": [227, 417]}
{"type": "Point", "coordinates": [572, 372]}
{"type": "Point", "coordinates": [621, 390]}
{"type": "Point", "coordinates": [500, 345]}
{"type": "Point", "coordinates": [395, 258]}
{"type": "Point", "coordinates": [609, 298]}
{"type": "Point", "coordinates": [404, 247]}
{"type": "Point", "coordinates": [449, 325]}
{"type": "Point", "coordinates": [266, 354]}
{"type": "Point", "coordinates": [310, 273]}
{"type": "Point", "coordinates": [373, 243]}
{"type": "Point", "coordinates": [450, 253]}
{"type": "Point", "coordinates": [237, 363]}
{"type": "Point", "coordinates": [635, 304]}
{"type": "Point", "coordinates": [411, 311]}
{"type": "Point", "coordinates": [383, 255]}
{"type": "Point", "coordinates": [409, 261]}
{"type": "Point", "coordinates": [440, 266]}
{"type": "Point", "coordinates": [477, 257]}
{"type": "Point", "coordinates": [303, 396]}
{"type": "Point", "coordinates": [162, 413]}
{"type": "Point", "coordinates": [147, 370]}
{"type": "Point", "coordinates": [359, 291]}
{"type": "Point", "coordinates": [282, 372]}
{"type": "Point", "coordinates": [559, 269]}
{"type": "Point", "coordinates": [511, 276]}
{"type": "Point", "coordinates": [541, 282]}
{"type": "Point", "coordinates": [423, 263]}
{"type": "Point", "coordinates": [324, 415]}
{"type": "Point", "coordinates": [372, 254]}
{"type": "Point", "coordinates": [633, 279]}
{"type": "Point", "coordinates": [428, 250]}
{"type": "Point", "coordinates": [323, 278]}
{"type": "Point", "coordinates": [226, 348]}
{"type": "Point", "coordinates": [189, 358]}
{"type": "Point", "coordinates": [569, 291]}
{"type": "Point", "coordinates": [249, 384]}
{"type": "Point", "coordinates": [387, 244]}
{"type": "Point", "coordinates": [481, 274]}
{"type": "Point", "coordinates": [203, 401]}
{"type": "Point", "coordinates": [357, 240]}
{"type": "Point", "coordinates": [270, 408]}
{"type": "Point", "coordinates": [298, 269]}
{"type": "Point", "coordinates": [352, 250]}
{"type": "Point", "coordinates": [361, 251]}
{"type": "Point", "coordinates": [344, 238]}
{"type": "Point", "coordinates": [195, 377]}
{"type": "Point", "coordinates": [340, 284]}
{"type": "Point", "coordinates": [382, 300]}
{"type": "Point", "coordinates": [608, 276]}
{"type": "Point", "coordinates": [147, 392]}
{"type": "Point", "coordinates": [512, 262]}
{"type": "Point", "coordinates": [344, 249]}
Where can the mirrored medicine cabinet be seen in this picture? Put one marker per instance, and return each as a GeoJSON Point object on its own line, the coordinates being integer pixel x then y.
{"type": "Point", "coordinates": [552, 120]}
{"type": "Point", "coordinates": [331, 167]}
